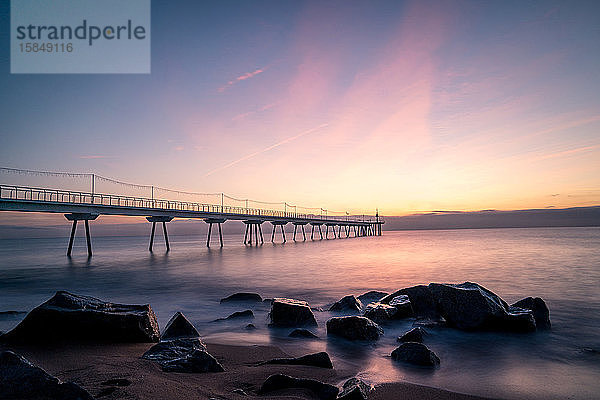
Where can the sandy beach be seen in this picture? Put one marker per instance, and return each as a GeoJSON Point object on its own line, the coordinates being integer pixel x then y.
{"type": "Point", "coordinates": [92, 365]}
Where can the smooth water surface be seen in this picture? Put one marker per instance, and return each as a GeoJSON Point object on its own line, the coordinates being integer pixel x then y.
{"type": "Point", "coordinates": [561, 265]}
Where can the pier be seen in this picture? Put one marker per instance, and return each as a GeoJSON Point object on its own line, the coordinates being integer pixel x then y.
{"type": "Point", "coordinates": [89, 206]}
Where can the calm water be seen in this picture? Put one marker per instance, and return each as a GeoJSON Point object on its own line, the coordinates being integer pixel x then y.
{"type": "Point", "coordinates": [560, 265]}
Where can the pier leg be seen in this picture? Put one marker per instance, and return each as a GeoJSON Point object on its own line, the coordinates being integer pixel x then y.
{"type": "Point", "coordinates": [256, 233]}
{"type": "Point", "coordinates": [71, 239]}
{"type": "Point", "coordinates": [283, 234]}
{"type": "Point", "coordinates": [303, 233]}
{"type": "Point", "coordinates": [166, 236]}
{"type": "Point", "coordinates": [273, 233]}
{"type": "Point", "coordinates": [246, 234]}
{"type": "Point", "coordinates": [209, 233]}
{"type": "Point", "coordinates": [327, 232]}
{"type": "Point", "coordinates": [294, 238]}
{"type": "Point", "coordinates": [320, 232]}
{"type": "Point", "coordinates": [261, 235]}
{"type": "Point", "coordinates": [220, 235]}
{"type": "Point", "coordinates": [251, 228]}
{"type": "Point", "coordinates": [152, 236]}
{"type": "Point", "coordinates": [312, 233]}
{"type": "Point", "coordinates": [87, 236]}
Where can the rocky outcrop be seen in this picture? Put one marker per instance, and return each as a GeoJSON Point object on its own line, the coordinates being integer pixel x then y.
{"type": "Point", "coordinates": [19, 379]}
{"type": "Point", "coordinates": [179, 327]}
{"type": "Point", "coordinates": [172, 349]}
{"type": "Point", "coordinates": [541, 314]}
{"type": "Point", "coordinates": [403, 306]}
{"type": "Point", "coordinates": [355, 389]}
{"type": "Point", "coordinates": [322, 391]}
{"type": "Point", "coordinates": [421, 299]}
{"type": "Point", "coordinates": [416, 354]}
{"type": "Point", "coordinates": [470, 306]}
{"type": "Point", "coordinates": [246, 314]}
{"type": "Point", "coordinates": [243, 297]}
{"type": "Point", "coordinates": [195, 362]}
{"type": "Point", "coordinates": [380, 312]}
{"type": "Point", "coordinates": [414, 335]}
{"type": "Point", "coordinates": [354, 328]}
{"type": "Point", "coordinates": [71, 317]}
{"type": "Point", "coordinates": [290, 312]}
{"type": "Point", "coordinates": [321, 360]}
{"type": "Point", "coordinates": [372, 296]}
{"type": "Point", "coordinates": [302, 333]}
{"type": "Point", "coordinates": [347, 303]}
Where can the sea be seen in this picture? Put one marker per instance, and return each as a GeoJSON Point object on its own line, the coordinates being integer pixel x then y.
{"type": "Point", "coordinates": [560, 265]}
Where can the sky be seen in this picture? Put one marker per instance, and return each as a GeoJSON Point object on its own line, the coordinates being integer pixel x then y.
{"type": "Point", "coordinates": [401, 106]}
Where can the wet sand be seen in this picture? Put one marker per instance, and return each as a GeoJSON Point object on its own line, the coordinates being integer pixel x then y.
{"type": "Point", "coordinates": [92, 365]}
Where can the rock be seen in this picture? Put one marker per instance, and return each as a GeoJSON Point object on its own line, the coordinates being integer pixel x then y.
{"type": "Point", "coordinates": [240, 392]}
{"type": "Point", "coordinates": [421, 299]}
{"type": "Point", "coordinates": [541, 314]}
{"type": "Point", "coordinates": [71, 317]}
{"type": "Point", "coordinates": [323, 391]}
{"type": "Point", "coordinates": [302, 333]}
{"type": "Point", "coordinates": [470, 306]}
{"type": "Point", "coordinates": [268, 301]}
{"type": "Point", "coordinates": [289, 312]}
{"type": "Point", "coordinates": [250, 327]}
{"type": "Point", "coordinates": [414, 335]}
{"type": "Point", "coordinates": [380, 312]}
{"type": "Point", "coordinates": [371, 296]}
{"type": "Point", "coordinates": [321, 360]}
{"type": "Point", "coordinates": [347, 303]}
{"type": "Point", "coordinates": [196, 361]}
{"type": "Point", "coordinates": [179, 327]}
{"type": "Point", "coordinates": [237, 315]}
{"type": "Point", "coordinates": [354, 328]}
{"type": "Point", "coordinates": [403, 306]}
{"type": "Point", "coordinates": [172, 349]}
{"type": "Point", "coordinates": [355, 389]}
{"type": "Point", "coordinates": [416, 354]}
{"type": "Point", "coordinates": [19, 379]}
{"type": "Point", "coordinates": [245, 297]}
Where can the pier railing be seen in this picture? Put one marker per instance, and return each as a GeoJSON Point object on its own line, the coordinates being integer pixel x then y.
{"type": "Point", "coordinates": [45, 195]}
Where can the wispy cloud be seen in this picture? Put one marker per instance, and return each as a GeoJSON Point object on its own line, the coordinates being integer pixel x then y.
{"type": "Point", "coordinates": [242, 77]}
{"type": "Point", "coordinates": [94, 157]}
{"type": "Point", "coordinates": [269, 148]}
{"type": "Point", "coordinates": [567, 152]}
{"type": "Point", "coordinates": [249, 113]}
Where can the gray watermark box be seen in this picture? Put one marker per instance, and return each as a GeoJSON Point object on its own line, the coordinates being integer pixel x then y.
{"type": "Point", "coordinates": [80, 36]}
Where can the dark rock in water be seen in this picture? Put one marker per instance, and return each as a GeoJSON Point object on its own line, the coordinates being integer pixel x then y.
{"type": "Point", "coordinates": [196, 361]}
{"type": "Point", "coordinates": [239, 391]}
{"type": "Point", "coordinates": [70, 317]}
{"type": "Point", "coordinates": [289, 312]}
{"type": "Point", "coordinates": [250, 327]}
{"type": "Point", "coordinates": [403, 306]}
{"type": "Point", "coordinates": [414, 335]}
{"type": "Point", "coordinates": [321, 360]}
{"type": "Point", "coordinates": [268, 301]}
{"type": "Point", "coordinates": [380, 312]}
{"type": "Point", "coordinates": [470, 306]}
{"type": "Point", "coordinates": [371, 296]}
{"type": "Point", "coordinates": [323, 391]}
{"type": "Point", "coordinates": [354, 328]}
{"type": "Point", "coordinates": [172, 349]}
{"type": "Point", "coordinates": [179, 327]}
{"type": "Point", "coordinates": [347, 303]}
{"type": "Point", "coordinates": [11, 313]}
{"type": "Point", "coordinates": [302, 333]}
{"type": "Point", "coordinates": [430, 323]}
{"type": "Point", "coordinates": [237, 315]}
{"type": "Point", "coordinates": [245, 297]}
{"type": "Point", "coordinates": [19, 379]}
{"type": "Point", "coordinates": [355, 389]}
{"type": "Point", "coordinates": [117, 382]}
{"type": "Point", "coordinates": [519, 320]}
{"type": "Point", "coordinates": [416, 354]}
{"type": "Point", "coordinates": [421, 299]}
{"type": "Point", "coordinates": [541, 314]}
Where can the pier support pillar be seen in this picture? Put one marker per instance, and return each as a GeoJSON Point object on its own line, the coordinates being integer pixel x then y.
{"type": "Point", "coordinates": [281, 224]}
{"type": "Point", "coordinates": [164, 221]}
{"type": "Point", "coordinates": [301, 224]}
{"type": "Point", "coordinates": [76, 217]}
{"type": "Point", "coordinates": [312, 232]}
{"type": "Point", "coordinates": [253, 232]}
{"type": "Point", "coordinates": [210, 222]}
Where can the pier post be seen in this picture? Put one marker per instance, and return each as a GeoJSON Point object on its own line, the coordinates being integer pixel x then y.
{"type": "Point", "coordinates": [164, 220]}
{"type": "Point", "coordinates": [283, 233]}
{"type": "Point", "coordinates": [261, 235]}
{"type": "Point", "coordinates": [320, 233]}
{"type": "Point", "coordinates": [327, 232]}
{"type": "Point", "coordinates": [295, 227]}
{"type": "Point", "coordinates": [312, 232]}
{"type": "Point", "coordinates": [303, 233]}
{"type": "Point", "coordinates": [76, 217]}
{"type": "Point", "coordinates": [246, 235]}
{"type": "Point", "coordinates": [210, 222]}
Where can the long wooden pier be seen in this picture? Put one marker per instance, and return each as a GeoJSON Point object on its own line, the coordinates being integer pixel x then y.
{"type": "Point", "coordinates": [88, 206]}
